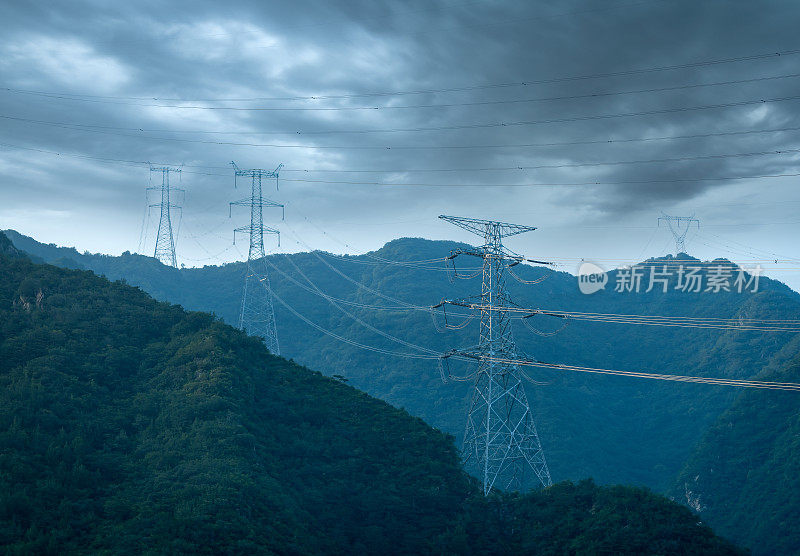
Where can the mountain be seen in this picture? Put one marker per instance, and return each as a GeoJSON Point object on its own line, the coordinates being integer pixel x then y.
{"type": "Point", "coordinates": [744, 477]}
{"type": "Point", "coordinates": [131, 426]}
{"type": "Point", "coordinates": [7, 248]}
{"type": "Point", "coordinates": [615, 429]}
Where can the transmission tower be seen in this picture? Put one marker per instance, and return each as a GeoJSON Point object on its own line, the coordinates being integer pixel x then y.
{"type": "Point", "coordinates": [679, 226]}
{"type": "Point", "coordinates": [165, 241]}
{"type": "Point", "coordinates": [500, 442]}
{"type": "Point", "coordinates": [257, 315]}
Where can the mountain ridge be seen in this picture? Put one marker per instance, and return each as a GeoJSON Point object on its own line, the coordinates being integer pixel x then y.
{"type": "Point", "coordinates": [131, 425]}
{"type": "Point", "coordinates": [614, 429]}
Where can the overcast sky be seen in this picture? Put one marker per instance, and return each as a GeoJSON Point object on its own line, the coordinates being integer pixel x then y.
{"type": "Point", "coordinates": [584, 118]}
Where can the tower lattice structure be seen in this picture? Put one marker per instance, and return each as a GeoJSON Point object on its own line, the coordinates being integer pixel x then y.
{"type": "Point", "coordinates": [257, 314]}
{"type": "Point", "coordinates": [679, 226]}
{"type": "Point", "coordinates": [500, 443]}
{"type": "Point", "coordinates": [165, 240]}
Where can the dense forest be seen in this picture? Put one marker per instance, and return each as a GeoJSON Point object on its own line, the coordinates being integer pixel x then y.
{"type": "Point", "coordinates": [130, 425]}
{"type": "Point", "coordinates": [617, 430]}
{"type": "Point", "coordinates": [745, 475]}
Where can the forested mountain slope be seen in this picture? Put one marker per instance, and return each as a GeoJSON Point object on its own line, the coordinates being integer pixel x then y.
{"type": "Point", "coordinates": [745, 475]}
{"type": "Point", "coordinates": [129, 425]}
{"type": "Point", "coordinates": [617, 430]}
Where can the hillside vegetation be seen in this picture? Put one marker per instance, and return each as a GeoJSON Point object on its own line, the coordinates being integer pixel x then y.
{"type": "Point", "coordinates": [745, 475]}
{"type": "Point", "coordinates": [617, 430]}
{"type": "Point", "coordinates": [132, 426]}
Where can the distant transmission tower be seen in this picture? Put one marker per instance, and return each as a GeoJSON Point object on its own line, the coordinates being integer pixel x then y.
{"type": "Point", "coordinates": [679, 226]}
{"type": "Point", "coordinates": [165, 241]}
{"type": "Point", "coordinates": [501, 440]}
{"type": "Point", "coordinates": [257, 316]}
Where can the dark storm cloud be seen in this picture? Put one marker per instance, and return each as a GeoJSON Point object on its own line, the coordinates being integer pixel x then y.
{"type": "Point", "coordinates": [121, 59]}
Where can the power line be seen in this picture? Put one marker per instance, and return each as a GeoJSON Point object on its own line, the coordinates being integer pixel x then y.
{"type": "Point", "coordinates": [396, 147]}
{"type": "Point", "coordinates": [351, 280]}
{"type": "Point", "coordinates": [340, 37]}
{"type": "Point", "coordinates": [749, 249]}
{"type": "Point", "coordinates": [602, 94]}
{"type": "Point", "coordinates": [791, 386]}
{"type": "Point", "coordinates": [523, 83]}
{"type": "Point", "coordinates": [543, 184]}
{"type": "Point", "coordinates": [566, 261]}
{"type": "Point", "coordinates": [521, 123]}
{"type": "Point", "coordinates": [525, 362]}
{"type": "Point", "coordinates": [356, 318]}
{"type": "Point", "coordinates": [556, 166]}
{"type": "Point", "coordinates": [652, 320]}
{"type": "Point", "coordinates": [739, 324]}
{"type": "Point", "coordinates": [667, 377]}
{"type": "Point", "coordinates": [483, 169]}
{"type": "Point", "coordinates": [343, 339]}
{"type": "Point", "coordinates": [548, 184]}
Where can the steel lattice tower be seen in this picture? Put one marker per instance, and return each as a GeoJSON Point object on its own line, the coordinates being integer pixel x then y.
{"type": "Point", "coordinates": [501, 441]}
{"type": "Point", "coordinates": [257, 315]}
{"type": "Point", "coordinates": [679, 226]}
{"type": "Point", "coordinates": [165, 241]}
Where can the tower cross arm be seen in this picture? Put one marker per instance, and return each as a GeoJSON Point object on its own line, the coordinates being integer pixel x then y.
{"type": "Point", "coordinates": [474, 352]}
{"type": "Point", "coordinates": [268, 203]}
{"type": "Point", "coordinates": [688, 220]}
{"type": "Point", "coordinates": [264, 229]}
{"type": "Point", "coordinates": [472, 252]}
{"type": "Point", "coordinates": [481, 227]}
{"type": "Point", "coordinates": [473, 302]}
{"type": "Point", "coordinates": [257, 172]}
{"type": "Point", "coordinates": [249, 203]}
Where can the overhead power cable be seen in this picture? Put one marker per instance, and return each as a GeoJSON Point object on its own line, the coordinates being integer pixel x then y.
{"type": "Point", "coordinates": [354, 317]}
{"type": "Point", "coordinates": [340, 300]}
{"type": "Point", "coordinates": [422, 264]}
{"type": "Point", "coordinates": [351, 280]}
{"type": "Point", "coordinates": [522, 83]}
{"type": "Point", "coordinates": [791, 386]}
{"type": "Point", "coordinates": [327, 332]}
{"type": "Point", "coordinates": [740, 324]}
{"type": "Point", "coordinates": [422, 184]}
{"type": "Point", "coordinates": [555, 166]}
{"type": "Point", "coordinates": [584, 96]}
{"type": "Point", "coordinates": [488, 125]}
{"type": "Point", "coordinates": [439, 146]}
{"type": "Point", "coordinates": [545, 184]}
{"type": "Point", "coordinates": [712, 323]}
{"type": "Point", "coordinates": [748, 249]}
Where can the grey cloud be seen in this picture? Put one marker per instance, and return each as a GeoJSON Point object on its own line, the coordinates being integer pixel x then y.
{"type": "Point", "coordinates": [206, 50]}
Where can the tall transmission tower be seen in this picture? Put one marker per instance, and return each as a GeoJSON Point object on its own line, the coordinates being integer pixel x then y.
{"type": "Point", "coordinates": [501, 441]}
{"type": "Point", "coordinates": [257, 315]}
{"type": "Point", "coordinates": [679, 226]}
{"type": "Point", "coordinates": [165, 241]}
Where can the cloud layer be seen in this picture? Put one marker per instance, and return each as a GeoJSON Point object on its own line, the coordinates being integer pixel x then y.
{"type": "Point", "coordinates": [387, 114]}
